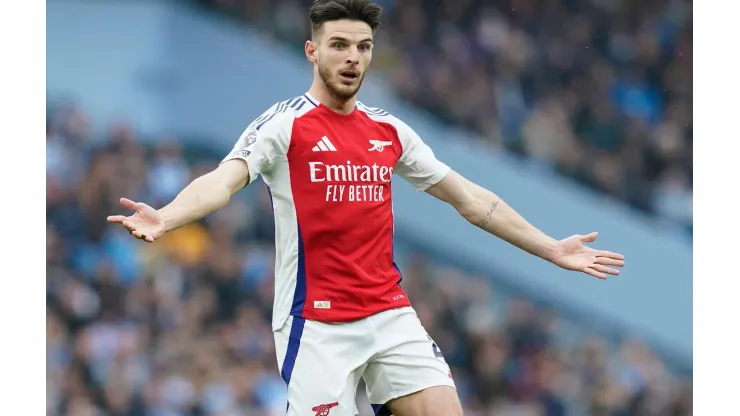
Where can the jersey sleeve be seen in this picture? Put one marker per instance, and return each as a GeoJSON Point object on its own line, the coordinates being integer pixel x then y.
{"type": "Point", "coordinates": [261, 144]}
{"type": "Point", "coordinates": [417, 164]}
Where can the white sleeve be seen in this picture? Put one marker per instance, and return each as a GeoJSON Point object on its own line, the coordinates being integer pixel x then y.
{"type": "Point", "coordinates": [261, 144]}
{"type": "Point", "coordinates": [417, 164]}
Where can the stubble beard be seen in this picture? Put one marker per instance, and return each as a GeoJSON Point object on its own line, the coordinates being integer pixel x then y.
{"type": "Point", "coordinates": [336, 89]}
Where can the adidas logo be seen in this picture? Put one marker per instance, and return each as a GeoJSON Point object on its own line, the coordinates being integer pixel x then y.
{"type": "Point", "coordinates": [324, 145]}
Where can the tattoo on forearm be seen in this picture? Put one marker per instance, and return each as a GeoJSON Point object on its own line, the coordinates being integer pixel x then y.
{"type": "Point", "coordinates": [489, 215]}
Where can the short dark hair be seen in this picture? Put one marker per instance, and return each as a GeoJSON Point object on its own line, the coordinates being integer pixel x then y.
{"type": "Point", "coordinates": [323, 11]}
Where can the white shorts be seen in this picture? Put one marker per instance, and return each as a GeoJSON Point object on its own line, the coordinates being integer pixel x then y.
{"type": "Point", "coordinates": [322, 363]}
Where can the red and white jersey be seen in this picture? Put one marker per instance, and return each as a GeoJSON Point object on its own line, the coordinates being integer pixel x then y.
{"type": "Point", "coordinates": [329, 176]}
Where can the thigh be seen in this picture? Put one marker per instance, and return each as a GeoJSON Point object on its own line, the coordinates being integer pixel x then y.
{"type": "Point", "coordinates": [316, 364]}
{"type": "Point", "coordinates": [434, 401]}
{"type": "Point", "coordinates": [410, 362]}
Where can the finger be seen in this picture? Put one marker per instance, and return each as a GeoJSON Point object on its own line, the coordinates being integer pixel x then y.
{"type": "Point", "coordinates": [604, 269]}
{"type": "Point", "coordinates": [128, 204]}
{"type": "Point", "coordinates": [609, 261]}
{"type": "Point", "coordinates": [148, 239]}
{"type": "Point", "coordinates": [139, 206]}
{"type": "Point", "coordinates": [610, 255]}
{"type": "Point", "coordinates": [116, 218]}
{"type": "Point", "coordinates": [129, 226]}
{"type": "Point", "coordinates": [137, 234]}
{"type": "Point", "coordinates": [589, 237]}
{"type": "Point", "coordinates": [594, 273]}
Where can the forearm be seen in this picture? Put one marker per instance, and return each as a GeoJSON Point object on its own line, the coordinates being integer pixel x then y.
{"type": "Point", "coordinates": [489, 212]}
{"type": "Point", "coordinates": [199, 199]}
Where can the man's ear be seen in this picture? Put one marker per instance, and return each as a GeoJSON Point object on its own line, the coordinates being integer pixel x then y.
{"type": "Point", "coordinates": [312, 51]}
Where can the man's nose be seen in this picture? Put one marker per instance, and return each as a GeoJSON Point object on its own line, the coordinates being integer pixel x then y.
{"type": "Point", "coordinates": [353, 56]}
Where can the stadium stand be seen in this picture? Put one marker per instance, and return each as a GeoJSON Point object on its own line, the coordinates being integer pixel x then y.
{"type": "Point", "coordinates": [599, 91]}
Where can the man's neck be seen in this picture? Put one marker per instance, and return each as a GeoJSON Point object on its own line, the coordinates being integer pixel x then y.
{"type": "Point", "coordinates": [320, 92]}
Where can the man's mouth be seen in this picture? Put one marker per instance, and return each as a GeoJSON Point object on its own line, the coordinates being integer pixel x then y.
{"type": "Point", "coordinates": [348, 76]}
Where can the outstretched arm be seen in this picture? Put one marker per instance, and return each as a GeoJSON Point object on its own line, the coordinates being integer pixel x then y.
{"type": "Point", "coordinates": [202, 197]}
{"type": "Point", "coordinates": [254, 152]}
{"type": "Point", "coordinates": [206, 194]}
{"type": "Point", "coordinates": [489, 212]}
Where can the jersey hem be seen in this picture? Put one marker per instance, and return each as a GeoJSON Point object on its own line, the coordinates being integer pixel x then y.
{"type": "Point", "coordinates": [355, 317]}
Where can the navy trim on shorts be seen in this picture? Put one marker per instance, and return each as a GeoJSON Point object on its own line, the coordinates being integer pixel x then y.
{"type": "Point", "coordinates": [381, 410]}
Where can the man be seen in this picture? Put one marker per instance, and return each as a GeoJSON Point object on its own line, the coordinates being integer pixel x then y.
{"type": "Point", "coordinates": [339, 311]}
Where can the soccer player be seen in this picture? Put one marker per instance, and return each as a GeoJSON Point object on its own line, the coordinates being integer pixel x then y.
{"type": "Point", "coordinates": [340, 313]}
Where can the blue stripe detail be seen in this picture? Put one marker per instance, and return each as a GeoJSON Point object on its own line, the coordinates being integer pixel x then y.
{"type": "Point", "coordinates": [294, 343]}
{"type": "Point", "coordinates": [381, 410]}
{"type": "Point", "coordinates": [281, 108]}
{"type": "Point", "coordinates": [374, 110]}
{"type": "Point", "coordinates": [437, 352]}
{"type": "Point", "coordinates": [295, 103]}
{"type": "Point", "coordinates": [393, 250]}
{"type": "Point", "coordinates": [262, 117]}
{"type": "Point", "coordinates": [299, 100]}
{"type": "Point", "coordinates": [310, 100]}
{"type": "Point", "coordinates": [400, 275]}
{"type": "Point", "coordinates": [299, 296]}
{"type": "Point", "coordinates": [268, 114]}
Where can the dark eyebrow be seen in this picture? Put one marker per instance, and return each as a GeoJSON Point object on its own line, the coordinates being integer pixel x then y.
{"type": "Point", "coordinates": [341, 39]}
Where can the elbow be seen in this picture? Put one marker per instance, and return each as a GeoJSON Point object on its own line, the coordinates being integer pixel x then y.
{"type": "Point", "coordinates": [225, 195]}
{"type": "Point", "coordinates": [468, 209]}
{"type": "Point", "coordinates": [469, 206]}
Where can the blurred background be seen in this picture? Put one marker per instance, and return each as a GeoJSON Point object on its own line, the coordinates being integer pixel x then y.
{"type": "Point", "coordinates": [577, 112]}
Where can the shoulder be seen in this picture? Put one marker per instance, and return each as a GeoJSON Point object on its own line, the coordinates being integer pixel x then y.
{"type": "Point", "coordinates": [382, 116]}
{"type": "Point", "coordinates": [379, 115]}
{"type": "Point", "coordinates": [281, 115]}
{"type": "Point", "coordinates": [376, 114]}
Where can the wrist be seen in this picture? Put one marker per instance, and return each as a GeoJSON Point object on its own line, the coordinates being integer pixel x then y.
{"type": "Point", "coordinates": [550, 250]}
{"type": "Point", "coordinates": [166, 219]}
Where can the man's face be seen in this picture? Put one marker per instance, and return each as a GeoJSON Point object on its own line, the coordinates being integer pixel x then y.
{"type": "Point", "coordinates": [342, 51]}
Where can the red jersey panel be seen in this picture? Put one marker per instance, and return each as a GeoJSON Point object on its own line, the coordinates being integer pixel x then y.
{"type": "Point", "coordinates": [342, 194]}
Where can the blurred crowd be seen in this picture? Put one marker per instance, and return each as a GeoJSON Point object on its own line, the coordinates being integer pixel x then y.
{"type": "Point", "coordinates": [181, 326]}
{"type": "Point", "coordinates": [597, 90]}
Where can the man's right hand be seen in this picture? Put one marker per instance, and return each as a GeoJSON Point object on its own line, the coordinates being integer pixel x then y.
{"type": "Point", "coordinates": [146, 223]}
